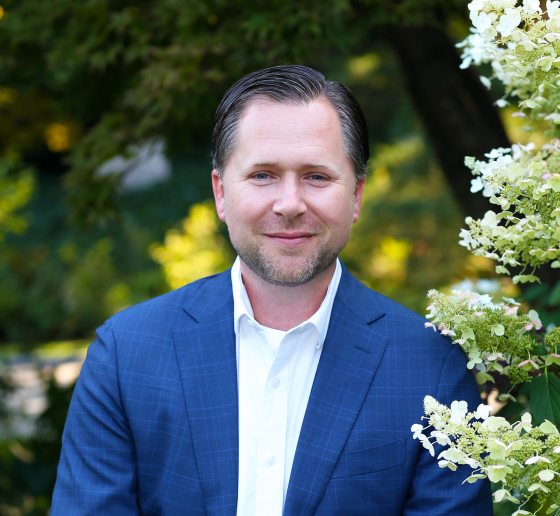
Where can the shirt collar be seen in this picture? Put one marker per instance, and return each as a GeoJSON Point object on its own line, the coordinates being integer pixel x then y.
{"type": "Point", "coordinates": [319, 320]}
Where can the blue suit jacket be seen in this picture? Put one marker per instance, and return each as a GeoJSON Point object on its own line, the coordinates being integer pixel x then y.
{"type": "Point", "coordinates": [153, 429]}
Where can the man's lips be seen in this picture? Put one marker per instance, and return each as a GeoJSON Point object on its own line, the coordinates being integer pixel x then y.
{"type": "Point", "coordinates": [290, 238]}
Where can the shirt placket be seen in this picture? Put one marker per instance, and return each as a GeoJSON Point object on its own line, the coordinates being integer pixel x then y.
{"type": "Point", "coordinates": [272, 441]}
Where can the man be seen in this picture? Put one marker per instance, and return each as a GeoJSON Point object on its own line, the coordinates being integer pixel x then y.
{"type": "Point", "coordinates": [282, 386]}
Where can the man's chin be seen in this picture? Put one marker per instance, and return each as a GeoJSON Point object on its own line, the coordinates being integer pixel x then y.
{"type": "Point", "coordinates": [287, 281]}
{"type": "Point", "coordinates": [292, 274]}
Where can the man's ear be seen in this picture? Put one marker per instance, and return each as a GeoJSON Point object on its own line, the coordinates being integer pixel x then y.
{"type": "Point", "coordinates": [218, 189]}
{"type": "Point", "coordinates": [358, 193]}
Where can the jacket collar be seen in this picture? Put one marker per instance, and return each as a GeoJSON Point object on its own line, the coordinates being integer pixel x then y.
{"type": "Point", "coordinates": [349, 361]}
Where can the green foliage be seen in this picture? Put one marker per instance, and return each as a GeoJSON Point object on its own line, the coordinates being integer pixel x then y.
{"type": "Point", "coordinates": [28, 465]}
{"type": "Point", "coordinates": [117, 74]}
{"type": "Point", "coordinates": [123, 73]}
{"type": "Point", "coordinates": [523, 458]}
{"type": "Point", "coordinates": [385, 250]}
{"type": "Point", "coordinates": [410, 12]}
{"type": "Point", "coordinates": [81, 82]}
{"type": "Point", "coordinates": [495, 336]}
{"type": "Point", "coordinates": [525, 230]}
{"type": "Point", "coordinates": [16, 188]}
{"type": "Point", "coordinates": [197, 250]}
{"type": "Point", "coordinates": [520, 42]}
{"type": "Point", "coordinates": [544, 398]}
{"type": "Point", "coordinates": [552, 338]}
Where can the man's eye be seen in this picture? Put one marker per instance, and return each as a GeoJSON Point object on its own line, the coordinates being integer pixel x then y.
{"type": "Point", "coordinates": [261, 175]}
{"type": "Point", "coordinates": [317, 177]}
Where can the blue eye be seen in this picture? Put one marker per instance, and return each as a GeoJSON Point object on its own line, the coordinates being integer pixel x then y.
{"type": "Point", "coordinates": [261, 175]}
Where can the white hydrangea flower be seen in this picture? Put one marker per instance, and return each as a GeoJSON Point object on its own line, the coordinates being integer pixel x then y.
{"type": "Point", "coordinates": [476, 5]}
{"type": "Point", "coordinates": [458, 411]}
{"type": "Point", "coordinates": [519, 42]}
{"type": "Point", "coordinates": [504, 4]}
{"type": "Point", "coordinates": [477, 184]}
{"type": "Point", "coordinates": [509, 21]}
{"type": "Point", "coordinates": [553, 8]}
{"type": "Point", "coordinates": [532, 6]}
{"type": "Point", "coordinates": [498, 473]}
{"type": "Point", "coordinates": [535, 459]}
{"type": "Point", "coordinates": [495, 423]}
{"type": "Point", "coordinates": [546, 475]}
{"type": "Point", "coordinates": [482, 22]}
{"type": "Point", "coordinates": [489, 220]}
{"type": "Point", "coordinates": [441, 438]}
{"type": "Point", "coordinates": [416, 430]}
{"type": "Point", "coordinates": [483, 411]}
{"type": "Point", "coordinates": [431, 405]}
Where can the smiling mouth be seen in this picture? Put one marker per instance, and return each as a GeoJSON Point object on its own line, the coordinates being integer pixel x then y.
{"type": "Point", "coordinates": [290, 239]}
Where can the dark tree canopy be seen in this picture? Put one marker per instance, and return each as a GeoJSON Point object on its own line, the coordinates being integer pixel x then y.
{"type": "Point", "coordinates": [112, 74]}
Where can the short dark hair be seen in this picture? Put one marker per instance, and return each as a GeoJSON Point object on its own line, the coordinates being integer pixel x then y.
{"type": "Point", "coordinates": [290, 84]}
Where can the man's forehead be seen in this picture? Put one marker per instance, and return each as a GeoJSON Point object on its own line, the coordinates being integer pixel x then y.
{"type": "Point", "coordinates": [264, 112]}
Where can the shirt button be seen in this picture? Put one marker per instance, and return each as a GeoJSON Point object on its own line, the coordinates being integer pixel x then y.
{"type": "Point", "coordinates": [275, 383]}
{"type": "Point", "coordinates": [271, 460]}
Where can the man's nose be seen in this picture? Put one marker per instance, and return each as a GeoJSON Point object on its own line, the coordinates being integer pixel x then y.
{"type": "Point", "coordinates": [290, 199]}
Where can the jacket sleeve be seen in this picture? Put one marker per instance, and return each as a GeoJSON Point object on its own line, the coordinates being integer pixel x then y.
{"type": "Point", "coordinates": [440, 491]}
{"type": "Point", "coordinates": [96, 472]}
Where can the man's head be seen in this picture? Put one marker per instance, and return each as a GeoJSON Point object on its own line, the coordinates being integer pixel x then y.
{"type": "Point", "coordinates": [290, 84]}
{"type": "Point", "coordinates": [288, 173]}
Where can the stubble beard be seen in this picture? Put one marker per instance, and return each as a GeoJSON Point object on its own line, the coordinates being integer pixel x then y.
{"type": "Point", "coordinates": [275, 272]}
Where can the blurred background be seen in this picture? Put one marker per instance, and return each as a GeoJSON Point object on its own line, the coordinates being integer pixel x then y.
{"type": "Point", "coordinates": [106, 111]}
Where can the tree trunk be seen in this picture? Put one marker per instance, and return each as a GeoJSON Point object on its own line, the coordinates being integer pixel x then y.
{"type": "Point", "coordinates": [454, 106]}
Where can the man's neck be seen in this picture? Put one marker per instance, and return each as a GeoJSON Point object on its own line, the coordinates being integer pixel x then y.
{"type": "Point", "coordinates": [284, 307]}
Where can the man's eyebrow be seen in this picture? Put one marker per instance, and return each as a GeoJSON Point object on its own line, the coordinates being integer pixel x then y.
{"type": "Point", "coordinates": [274, 164]}
{"type": "Point", "coordinates": [265, 164]}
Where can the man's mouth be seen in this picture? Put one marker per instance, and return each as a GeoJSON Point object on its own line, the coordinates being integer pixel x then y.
{"type": "Point", "coordinates": [290, 238]}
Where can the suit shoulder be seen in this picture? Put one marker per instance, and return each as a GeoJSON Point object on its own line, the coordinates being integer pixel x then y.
{"type": "Point", "coordinates": [164, 310]}
{"type": "Point", "coordinates": [363, 298]}
{"type": "Point", "coordinates": [397, 311]}
{"type": "Point", "coordinates": [392, 318]}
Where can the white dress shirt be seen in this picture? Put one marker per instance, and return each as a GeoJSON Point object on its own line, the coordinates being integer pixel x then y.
{"type": "Point", "coordinates": [275, 372]}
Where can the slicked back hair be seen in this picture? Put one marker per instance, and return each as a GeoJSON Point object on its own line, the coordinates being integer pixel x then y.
{"type": "Point", "coordinates": [290, 84]}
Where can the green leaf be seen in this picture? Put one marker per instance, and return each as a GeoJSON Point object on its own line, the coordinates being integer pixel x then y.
{"type": "Point", "coordinates": [525, 278]}
{"type": "Point", "coordinates": [540, 351]}
{"type": "Point", "coordinates": [474, 478]}
{"type": "Point", "coordinates": [529, 103]}
{"type": "Point", "coordinates": [536, 292]}
{"type": "Point", "coordinates": [553, 358]}
{"type": "Point", "coordinates": [548, 428]}
{"type": "Point", "coordinates": [554, 298]}
{"type": "Point", "coordinates": [482, 378]}
{"type": "Point", "coordinates": [544, 396]}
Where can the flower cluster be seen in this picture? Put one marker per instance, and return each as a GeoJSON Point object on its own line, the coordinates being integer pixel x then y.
{"type": "Point", "coordinates": [495, 336]}
{"type": "Point", "coordinates": [518, 454]}
{"type": "Point", "coordinates": [521, 42]}
{"type": "Point", "coordinates": [525, 230]}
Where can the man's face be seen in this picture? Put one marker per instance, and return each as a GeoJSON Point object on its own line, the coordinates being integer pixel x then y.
{"type": "Point", "coordinates": [288, 193]}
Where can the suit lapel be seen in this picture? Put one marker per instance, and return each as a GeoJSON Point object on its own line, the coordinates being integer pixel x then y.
{"type": "Point", "coordinates": [351, 354]}
{"type": "Point", "coordinates": [205, 348]}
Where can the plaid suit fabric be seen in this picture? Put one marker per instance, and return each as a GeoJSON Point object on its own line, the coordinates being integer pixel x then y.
{"type": "Point", "coordinates": [152, 427]}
